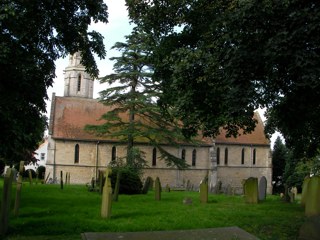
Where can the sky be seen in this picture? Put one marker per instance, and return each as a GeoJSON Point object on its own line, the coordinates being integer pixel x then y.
{"type": "Point", "coordinates": [114, 31]}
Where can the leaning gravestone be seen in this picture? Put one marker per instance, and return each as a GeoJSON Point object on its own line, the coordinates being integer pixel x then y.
{"type": "Point", "coordinates": [313, 197]}
{"type": "Point", "coordinates": [304, 191]}
{"type": "Point", "coordinates": [5, 204]}
{"type": "Point", "coordinates": [106, 196]}
{"type": "Point", "coordinates": [262, 188]}
{"type": "Point", "coordinates": [251, 190]}
{"type": "Point", "coordinates": [157, 189]}
{"type": "Point", "coordinates": [204, 190]}
{"type": "Point", "coordinates": [146, 186]}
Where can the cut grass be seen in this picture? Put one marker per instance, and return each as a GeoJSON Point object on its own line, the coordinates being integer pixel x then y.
{"type": "Point", "coordinates": [47, 212]}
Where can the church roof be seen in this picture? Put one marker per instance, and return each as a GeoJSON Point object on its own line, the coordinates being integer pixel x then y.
{"type": "Point", "coordinates": [69, 116]}
{"type": "Point", "coordinates": [257, 137]}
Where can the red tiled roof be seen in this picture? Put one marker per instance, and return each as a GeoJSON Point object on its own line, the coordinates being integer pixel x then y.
{"type": "Point", "coordinates": [72, 114]}
{"type": "Point", "coordinates": [255, 137]}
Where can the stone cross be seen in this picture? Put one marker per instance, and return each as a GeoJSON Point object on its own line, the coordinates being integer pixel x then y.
{"type": "Point", "coordinates": [106, 196]}
{"type": "Point", "coordinates": [157, 190]}
{"type": "Point", "coordinates": [262, 188]}
{"type": "Point", "coordinates": [251, 190]}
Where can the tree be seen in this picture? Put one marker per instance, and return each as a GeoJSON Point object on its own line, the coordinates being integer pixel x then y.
{"type": "Point", "coordinates": [135, 116]}
{"type": "Point", "coordinates": [217, 61]}
{"type": "Point", "coordinates": [33, 35]}
{"type": "Point", "coordinates": [279, 158]}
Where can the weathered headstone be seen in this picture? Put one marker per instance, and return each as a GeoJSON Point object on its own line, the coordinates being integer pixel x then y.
{"type": "Point", "coordinates": [146, 185]}
{"type": "Point", "coordinates": [251, 190]}
{"type": "Point", "coordinates": [18, 190]}
{"type": "Point", "coordinates": [157, 189]}
{"type": "Point", "coordinates": [262, 188]}
{"type": "Point", "coordinates": [304, 191]}
{"type": "Point", "coordinates": [61, 179]}
{"type": "Point", "coordinates": [167, 188]}
{"type": "Point", "coordinates": [310, 229]}
{"type": "Point", "coordinates": [204, 190]}
{"type": "Point", "coordinates": [313, 197]}
{"type": "Point", "coordinates": [5, 203]}
{"type": "Point", "coordinates": [30, 176]}
{"type": "Point", "coordinates": [187, 201]}
{"type": "Point", "coordinates": [117, 186]}
{"type": "Point", "coordinates": [106, 196]}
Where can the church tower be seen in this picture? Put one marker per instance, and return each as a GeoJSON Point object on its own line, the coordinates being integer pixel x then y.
{"type": "Point", "coordinates": [77, 82]}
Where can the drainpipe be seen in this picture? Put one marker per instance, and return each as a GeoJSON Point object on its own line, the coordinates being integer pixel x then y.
{"type": "Point", "coordinates": [97, 158]}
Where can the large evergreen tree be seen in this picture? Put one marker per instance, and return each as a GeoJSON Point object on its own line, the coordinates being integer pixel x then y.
{"type": "Point", "coordinates": [33, 34]}
{"type": "Point", "coordinates": [220, 60]}
{"type": "Point", "coordinates": [133, 94]}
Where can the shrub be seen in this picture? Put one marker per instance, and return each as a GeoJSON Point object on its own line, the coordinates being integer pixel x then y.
{"type": "Point", "coordinates": [130, 182]}
{"type": "Point", "coordinates": [2, 165]}
{"type": "Point", "coordinates": [26, 173]}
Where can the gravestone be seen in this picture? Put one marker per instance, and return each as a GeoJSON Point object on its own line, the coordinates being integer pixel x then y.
{"type": "Point", "coordinates": [5, 203]}
{"type": "Point", "coordinates": [229, 190]}
{"type": "Point", "coordinates": [187, 201]}
{"type": "Point", "coordinates": [30, 176]}
{"type": "Point", "coordinates": [157, 189]}
{"type": "Point", "coordinates": [117, 187]}
{"type": "Point", "coordinates": [204, 190]}
{"type": "Point", "coordinates": [262, 188]}
{"type": "Point", "coordinates": [304, 191]}
{"type": "Point", "coordinates": [18, 190]}
{"type": "Point", "coordinates": [313, 197]}
{"type": "Point", "coordinates": [106, 196]}
{"type": "Point", "coordinates": [251, 190]}
{"type": "Point", "coordinates": [61, 179]}
{"type": "Point", "coordinates": [146, 185]}
{"type": "Point", "coordinates": [167, 188]}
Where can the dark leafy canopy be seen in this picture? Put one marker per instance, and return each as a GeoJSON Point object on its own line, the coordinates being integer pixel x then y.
{"type": "Point", "coordinates": [280, 156]}
{"type": "Point", "coordinates": [132, 93]}
{"type": "Point", "coordinates": [229, 57]}
{"type": "Point", "coordinates": [33, 34]}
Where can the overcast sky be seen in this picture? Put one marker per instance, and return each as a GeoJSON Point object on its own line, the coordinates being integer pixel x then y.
{"type": "Point", "coordinates": [114, 31]}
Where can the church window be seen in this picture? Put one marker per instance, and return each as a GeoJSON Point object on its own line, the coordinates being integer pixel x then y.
{"type": "Point", "coordinates": [254, 157]}
{"type": "Point", "coordinates": [194, 157]}
{"type": "Point", "coordinates": [154, 157]}
{"type": "Point", "coordinates": [113, 153]}
{"type": "Point", "coordinates": [218, 156]}
{"type": "Point", "coordinates": [226, 156]}
{"type": "Point", "coordinates": [76, 153]}
{"type": "Point", "coordinates": [242, 156]}
{"type": "Point", "coordinates": [42, 156]}
{"type": "Point", "coordinates": [79, 83]}
{"type": "Point", "coordinates": [183, 154]}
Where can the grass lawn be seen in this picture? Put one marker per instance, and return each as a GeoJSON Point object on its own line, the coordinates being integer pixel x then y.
{"type": "Point", "coordinates": [47, 212]}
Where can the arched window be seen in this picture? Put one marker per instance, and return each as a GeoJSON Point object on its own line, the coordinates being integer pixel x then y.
{"type": "Point", "coordinates": [154, 157]}
{"type": "Point", "coordinates": [226, 156]}
{"type": "Point", "coordinates": [218, 156]}
{"type": "Point", "coordinates": [183, 154]}
{"type": "Point", "coordinates": [79, 83]}
{"type": "Point", "coordinates": [113, 153]}
{"type": "Point", "coordinates": [194, 157]}
{"type": "Point", "coordinates": [242, 156]}
{"type": "Point", "coordinates": [254, 157]}
{"type": "Point", "coordinates": [76, 153]}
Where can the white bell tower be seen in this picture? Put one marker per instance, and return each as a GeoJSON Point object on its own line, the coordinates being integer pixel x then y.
{"type": "Point", "coordinates": [77, 82]}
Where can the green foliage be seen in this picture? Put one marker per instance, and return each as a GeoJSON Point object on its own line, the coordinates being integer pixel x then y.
{"type": "Point", "coordinates": [133, 94]}
{"type": "Point", "coordinates": [33, 35]}
{"type": "Point", "coordinates": [65, 214]}
{"type": "Point", "coordinates": [218, 61]}
{"type": "Point", "coordinates": [130, 182]}
{"type": "Point", "coordinates": [2, 165]}
{"type": "Point", "coordinates": [279, 157]}
{"type": "Point", "coordinates": [26, 174]}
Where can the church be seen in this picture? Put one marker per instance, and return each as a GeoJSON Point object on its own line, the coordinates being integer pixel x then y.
{"type": "Point", "coordinates": [226, 161]}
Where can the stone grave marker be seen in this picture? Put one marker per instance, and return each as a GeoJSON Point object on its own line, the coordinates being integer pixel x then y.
{"type": "Point", "coordinates": [106, 196]}
{"type": "Point", "coordinates": [18, 190]}
{"type": "Point", "coordinates": [30, 176]}
{"type": "Point", "coordinates": [61, 179]}
{"type": "Point", "coordinates": [304, 191]}
{"type": "Point", "coordinates": [5, 203]}
{"type": "Point", "coordinates": [262, 188]}
{"type": "Point", "coordinates": [117, 186]}
{"type": "Point", "coordinates": [146, 185]}
{"type": "Point", "coordinates": [157, 189]}
{"type": "Point", "coordinates": [204, 190]}
{"type": "Point", "coordinates": [251, 190]}
{"type": "Point", "coordinates": [313, 197]}
{"type": "Point", "coordinates": [167, 188]}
